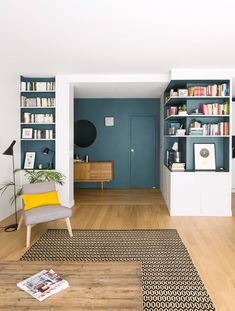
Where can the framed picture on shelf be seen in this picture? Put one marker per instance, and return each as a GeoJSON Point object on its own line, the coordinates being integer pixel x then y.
{"type": "Point", "coordinates": [204, 157]}
{"type": "Point", "coordinates": [29, 160]}
{"type": "Point", "coordinates": [27, 133]}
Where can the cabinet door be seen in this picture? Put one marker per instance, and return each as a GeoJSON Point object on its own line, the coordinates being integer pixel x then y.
{"type": "Point", "coordinates": [215, 194]}
{"type": "Point", "coordinates": [101, 170]}
{"type": "Point", "coordinates": [81, 171]}
{"type": "Point", "coordinates": [186, 199]}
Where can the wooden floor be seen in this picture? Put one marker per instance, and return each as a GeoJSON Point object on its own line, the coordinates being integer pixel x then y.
{"type": "Point", "coordinates": [209, 240]}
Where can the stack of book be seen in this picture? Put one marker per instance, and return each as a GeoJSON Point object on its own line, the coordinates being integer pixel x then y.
{"type": "Point", "coordinates": [177, 167]}
{"type": "Point", "coordinates": [196, 131]}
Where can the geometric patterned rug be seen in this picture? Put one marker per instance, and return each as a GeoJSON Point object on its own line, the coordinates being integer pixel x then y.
{"type": "Point", "coordinates": [170, 280]}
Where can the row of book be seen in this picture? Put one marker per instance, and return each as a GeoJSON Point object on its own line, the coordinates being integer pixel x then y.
{"type": "Point", "coordinates": [212, 129]}
{"type": "Point", "coordinates": [38, 118]}
{"type": "Point", "coordinates": [37, 86]}
{"type": "Point", "coordinates": [43, 134]}
{"type": "Point", "coordinates": [210, 90]}
{"type": "Point", "coordinates": [37, 102]}
{"type": "Point", "coordinates": [215, 109]}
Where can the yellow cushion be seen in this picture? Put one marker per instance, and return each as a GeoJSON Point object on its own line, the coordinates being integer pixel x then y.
{"type": "Point", "coordinates": [40, 199]}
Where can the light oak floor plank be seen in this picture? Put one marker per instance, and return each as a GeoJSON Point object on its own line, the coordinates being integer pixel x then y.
{"type": "Point", "coordinates": [209, 240]}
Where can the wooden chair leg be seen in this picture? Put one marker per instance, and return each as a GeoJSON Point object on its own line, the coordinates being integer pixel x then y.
{"type": "Point", "coordinates": [28, 236]}
{"type": "Point", "coordinates": [69, 226]}
{"type": "Point", "coordinates": [20, 221]}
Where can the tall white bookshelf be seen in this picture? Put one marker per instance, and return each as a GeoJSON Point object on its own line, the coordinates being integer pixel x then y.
{"type": "Point", "coordinates": [38, 120]}
{"type": "Point", "coordinates": [193, 192]}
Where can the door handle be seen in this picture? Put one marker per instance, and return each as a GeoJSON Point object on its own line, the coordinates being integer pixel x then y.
{"type": "Point", "coordinates": [132, 150]}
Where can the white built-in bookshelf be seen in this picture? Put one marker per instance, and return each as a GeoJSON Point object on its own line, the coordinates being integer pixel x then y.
{"type": "Point", "coordinates": [38, 119]}
{"type": "Point", "coordinates": [202, 119]}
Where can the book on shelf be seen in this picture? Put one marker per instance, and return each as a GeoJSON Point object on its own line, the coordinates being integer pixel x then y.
{"type": "Point", "coordinates": [215, 109]}
{"type": "Point", "coordinates": [38, 118]}
{"type": "Point", "coordinates": [37, 102]}
{"type": "Point", "coordinates": [43, 284]}
{"type": "Point", "coordinates": [212, 90]}
{"type": "Point", "coordinates": [211, 129]}
{"type": "Point", "coordinates": [176, 166]}
{"type": "Point", "coordinates": [43, 134]}
{"type": "Point", "coordinates": [37, 86]}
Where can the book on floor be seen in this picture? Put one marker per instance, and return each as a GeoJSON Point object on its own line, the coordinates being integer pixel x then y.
{"type": "Point", "coordinates": [43, 284]}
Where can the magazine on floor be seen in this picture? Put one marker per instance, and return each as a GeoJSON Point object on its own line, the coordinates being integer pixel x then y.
{"type": "Point", "coordinates": [43, 284]}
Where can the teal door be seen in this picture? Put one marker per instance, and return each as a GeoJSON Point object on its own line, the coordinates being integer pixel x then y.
{"type": "Point", "coordinates": [142, 152]}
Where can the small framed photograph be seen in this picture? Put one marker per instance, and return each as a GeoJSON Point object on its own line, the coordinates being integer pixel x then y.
{"type": "Point", "coordinates": [29, 160]}
{"type": "Point", "coordinates": [27, 133]}
{"type": "Point", "coordinates": [204, 157]}
{"type": "Point", "coordinates": [109, 121]}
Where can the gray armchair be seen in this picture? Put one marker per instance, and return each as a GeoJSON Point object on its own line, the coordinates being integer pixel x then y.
{"type": "Point", "coordinates": [43, 213]}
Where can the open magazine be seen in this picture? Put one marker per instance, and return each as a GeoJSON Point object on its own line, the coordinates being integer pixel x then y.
{"type": "Point", "coordinates": [43, 284]}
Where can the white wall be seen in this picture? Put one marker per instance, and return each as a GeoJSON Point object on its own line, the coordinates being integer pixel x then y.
{"type": "Point", "coordinates": [9, 130]}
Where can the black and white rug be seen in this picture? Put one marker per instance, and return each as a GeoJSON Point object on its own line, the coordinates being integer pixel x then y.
{"type": "Point", "coordinates": [170, 280]}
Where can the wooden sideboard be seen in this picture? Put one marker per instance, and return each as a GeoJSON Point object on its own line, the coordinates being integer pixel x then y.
{"type": "Point", "coordinates": [93, 172]}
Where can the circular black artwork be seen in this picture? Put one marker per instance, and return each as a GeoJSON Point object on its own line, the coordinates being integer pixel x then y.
{"type": "Point", "coordinates": [84, 133]}
{"type": "Point", "coordinates": [204, 152]}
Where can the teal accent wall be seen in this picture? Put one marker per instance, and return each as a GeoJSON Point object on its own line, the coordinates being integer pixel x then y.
{"type": "Point", "coordinates": [113, 143]}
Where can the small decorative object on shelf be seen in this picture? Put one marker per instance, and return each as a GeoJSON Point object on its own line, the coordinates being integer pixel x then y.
{"type": "Point", "coordinates": [182, 110]}
{"type": "Point", "coordinates": [180, 132]}
{"type": "Point", "coordinates": [46, 151]}
{"type": "Point", "coordinates": [183, 92]}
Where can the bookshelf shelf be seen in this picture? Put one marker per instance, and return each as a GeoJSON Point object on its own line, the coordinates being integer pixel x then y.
{"type": "Point", "coordinates": [37, 107]}
{"type": "Point", "coordinates": [23, 123]}
{"type": "Point", "coordinates": [37, 103]}
{"type": "Point", "coordinates": [198, 116]}
{"type": "Point", "coordinates": [189, 192]}
{"type": "Point", "coordinates": [38, 91]}
{"type": "Point", "coordinates": [34, 139]}
{"type": "Point", "coordinates": [180, 99]}
{"type": "Point", "coordinates": [202, 136]}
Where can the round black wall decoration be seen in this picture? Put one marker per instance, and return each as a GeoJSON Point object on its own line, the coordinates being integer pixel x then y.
{"type": "Point", "coordinates": [84, 133]}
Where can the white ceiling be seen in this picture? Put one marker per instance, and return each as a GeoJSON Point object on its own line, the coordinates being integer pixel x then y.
{"type": "Point", "coordinates": [115, 37]}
